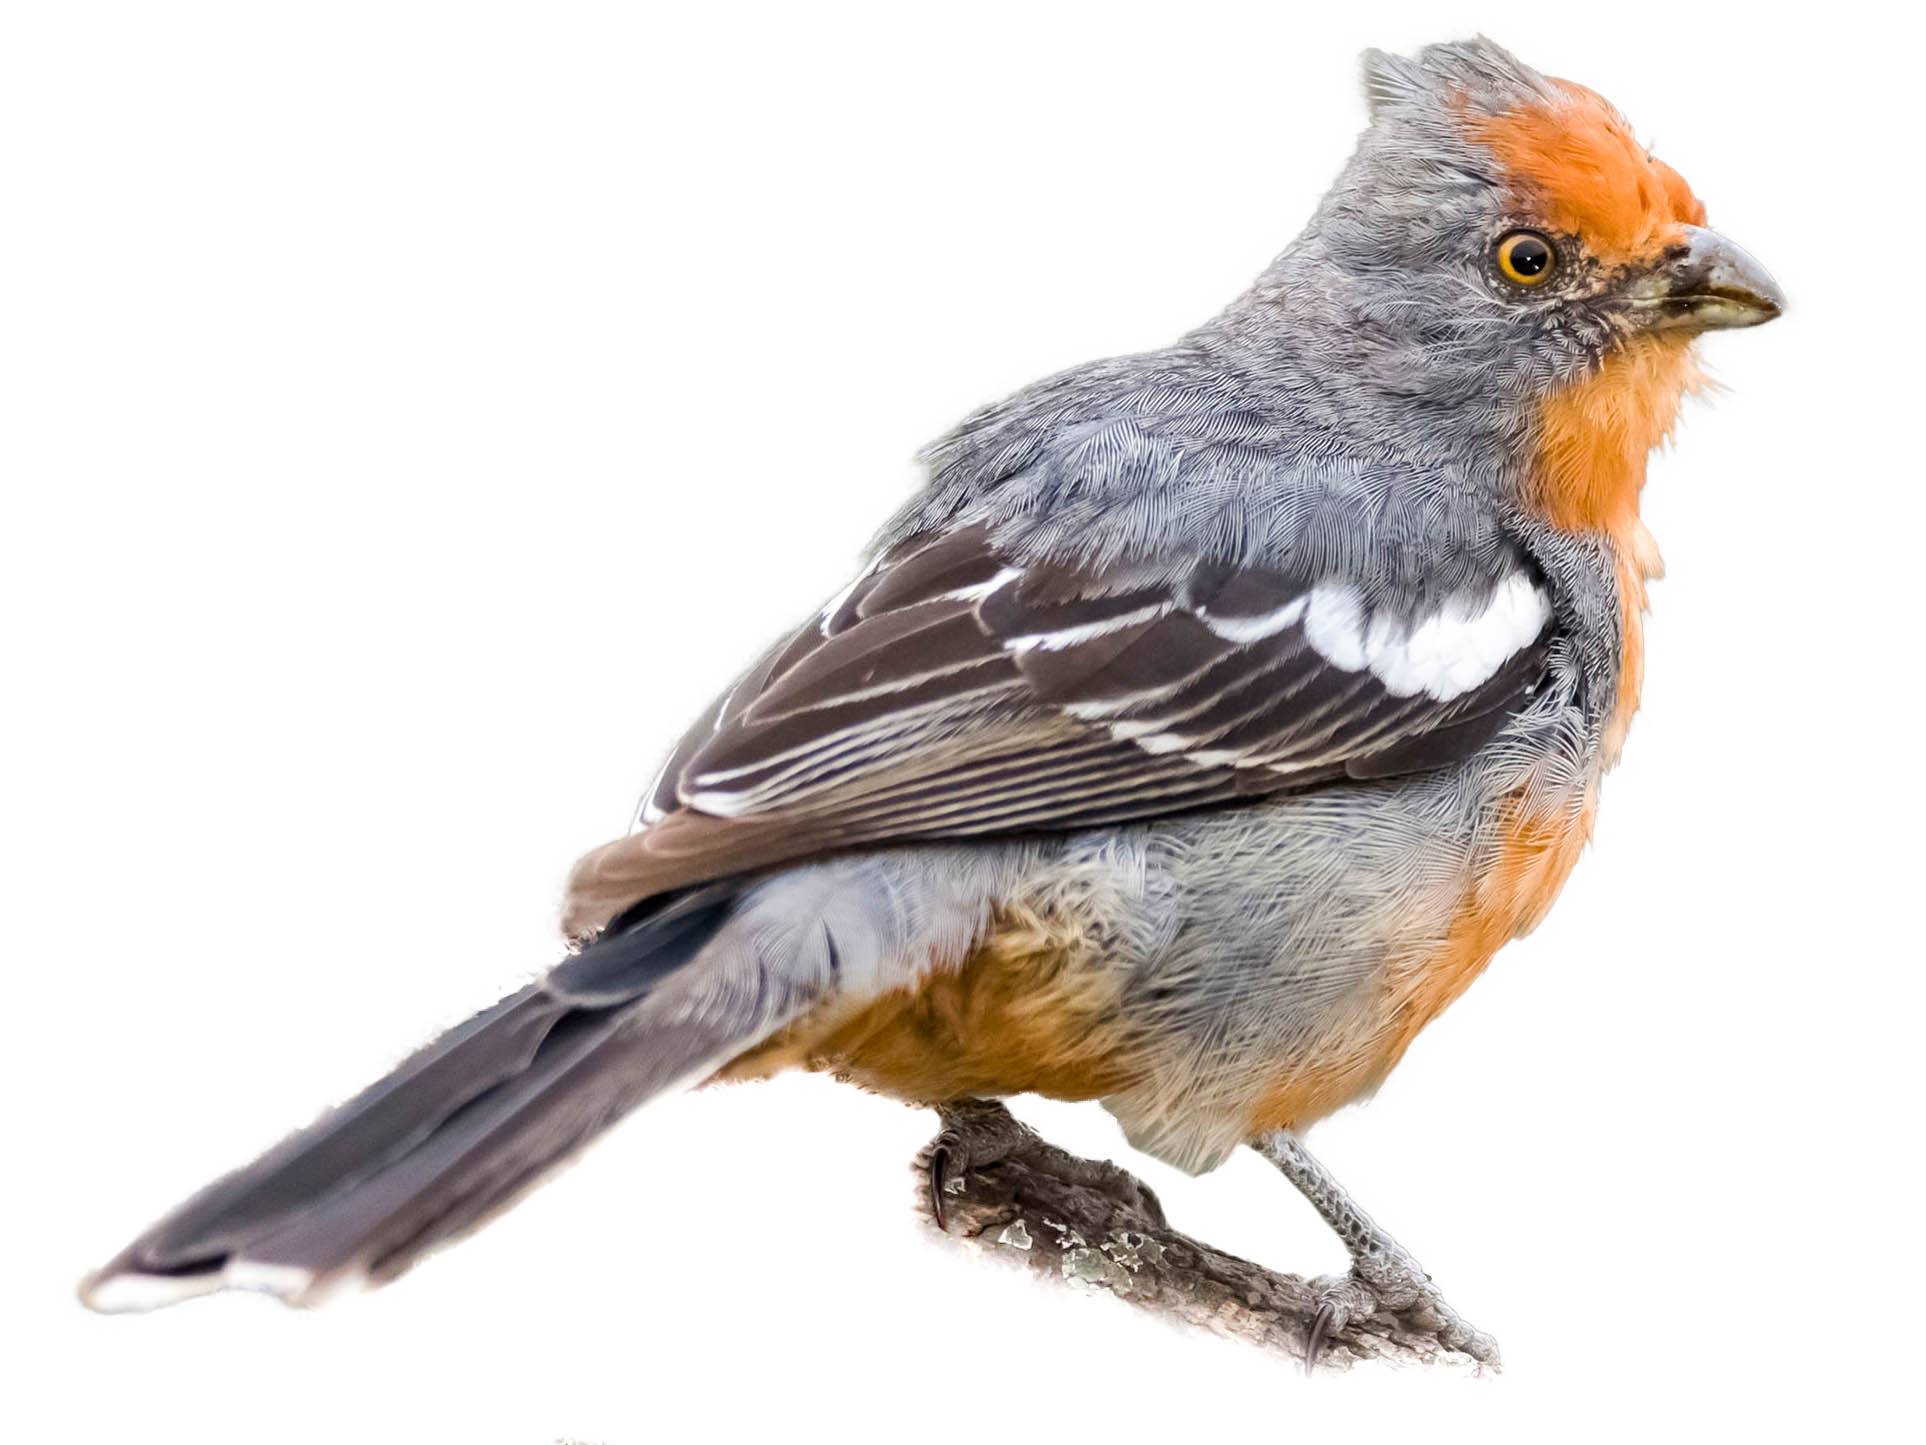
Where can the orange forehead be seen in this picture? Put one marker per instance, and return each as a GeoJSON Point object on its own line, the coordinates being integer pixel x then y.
{"type": "Point", "coordinates": [1576, 164]}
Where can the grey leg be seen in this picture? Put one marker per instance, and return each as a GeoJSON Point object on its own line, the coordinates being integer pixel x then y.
{"type": "Point", "coordinates": [1383, 1278]}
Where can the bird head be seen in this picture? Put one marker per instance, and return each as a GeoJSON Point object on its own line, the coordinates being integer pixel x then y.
{"type": "Point", "coordinates": [1499, 232]}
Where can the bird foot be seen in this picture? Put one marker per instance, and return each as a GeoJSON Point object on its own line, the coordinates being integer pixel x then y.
{"type": "Point", "coordinates": [1390, 1292]}
{"type": "Point", "coordinates": [977, 1133]}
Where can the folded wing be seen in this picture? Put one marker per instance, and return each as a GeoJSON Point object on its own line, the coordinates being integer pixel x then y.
{"type": "Point", "coordinates": [953, 692]}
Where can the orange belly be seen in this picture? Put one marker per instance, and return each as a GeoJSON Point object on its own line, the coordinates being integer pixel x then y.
{"type": "Point", "coordinates": [1033, 1010]}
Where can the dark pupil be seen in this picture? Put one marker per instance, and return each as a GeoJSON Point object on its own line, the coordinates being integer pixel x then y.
{"type": "Point", "coordinates": [1530, 258]}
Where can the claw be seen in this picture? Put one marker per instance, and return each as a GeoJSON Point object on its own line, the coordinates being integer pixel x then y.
{"type": "Point", "coordinates": [1320, 1336]}
{"type": "Point", "coordinates": [939, 1161]}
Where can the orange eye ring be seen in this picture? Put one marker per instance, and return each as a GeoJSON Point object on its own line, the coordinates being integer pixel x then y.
{"type": "Point", "coordinates": [1525, 258]}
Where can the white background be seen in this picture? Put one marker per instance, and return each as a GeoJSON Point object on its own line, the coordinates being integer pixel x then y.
{"type": "Point", "coordinates": [411, 413]}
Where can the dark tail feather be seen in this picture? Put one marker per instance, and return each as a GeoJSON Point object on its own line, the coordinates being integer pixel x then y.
{"type": "Point", "coordinates": [454, 1134]}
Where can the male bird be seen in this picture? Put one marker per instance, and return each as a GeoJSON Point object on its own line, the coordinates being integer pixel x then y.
{"type": "Point", "coordinates": [1193, 738]}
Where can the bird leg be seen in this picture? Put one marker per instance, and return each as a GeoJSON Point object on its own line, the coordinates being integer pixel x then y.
{"type": "Point", "coordinates": [1384, 1279]}
{"type": "Point", "coordinates": [990, 1182]}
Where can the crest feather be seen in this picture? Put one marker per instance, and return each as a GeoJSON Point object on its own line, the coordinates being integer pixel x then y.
{"type": "Point", "coordinates": [1477, 72]}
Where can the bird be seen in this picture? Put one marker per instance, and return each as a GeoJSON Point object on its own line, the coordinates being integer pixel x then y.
{"type": "Point", "coordinates": [1193, 736]}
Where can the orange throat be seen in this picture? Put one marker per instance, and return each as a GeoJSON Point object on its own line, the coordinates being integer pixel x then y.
{"type": "Point", "coordinates": [1594, 439]}
{"type": "Point", "coordinates": [1595, 435]}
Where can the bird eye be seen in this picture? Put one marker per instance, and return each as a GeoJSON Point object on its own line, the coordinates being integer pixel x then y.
{"type": "Point", "coordinates": [1526, 258]}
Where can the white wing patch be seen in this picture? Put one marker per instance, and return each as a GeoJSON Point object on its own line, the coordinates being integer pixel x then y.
{"type": "Point", "coordinates": [1444, 655]}
{"type": "Point", "coordinates": [1334, 622]}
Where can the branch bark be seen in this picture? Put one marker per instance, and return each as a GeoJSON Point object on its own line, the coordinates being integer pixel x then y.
{"type": "Point", "coordinates": [1089, 1224]}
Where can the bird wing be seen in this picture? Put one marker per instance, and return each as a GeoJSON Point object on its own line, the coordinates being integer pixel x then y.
{"type": "Point", "coordinates": [955, 691]}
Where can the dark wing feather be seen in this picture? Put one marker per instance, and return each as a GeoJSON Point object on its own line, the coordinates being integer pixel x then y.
{"type": "Point", "coordinates": [952, 693]}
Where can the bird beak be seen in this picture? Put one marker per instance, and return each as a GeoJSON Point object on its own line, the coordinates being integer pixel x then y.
{"type": "Point", "coordinates": [1705, 283]}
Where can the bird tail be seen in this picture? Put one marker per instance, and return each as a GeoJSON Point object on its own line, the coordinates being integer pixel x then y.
{"type": "Point", "coordinates": [459, 1130]}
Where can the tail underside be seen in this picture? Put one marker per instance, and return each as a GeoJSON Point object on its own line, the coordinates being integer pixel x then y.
{"type": "Point", "coordinates": [456, 1132]}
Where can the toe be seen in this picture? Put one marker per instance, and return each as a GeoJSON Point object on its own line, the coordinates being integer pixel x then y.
{"type": "Point", "coordinates": [936, 1178]}
{"type": "Point", "coordinates": [1323, 1325]}
{"type": "Point", "coordinates": [1398, 1292]}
